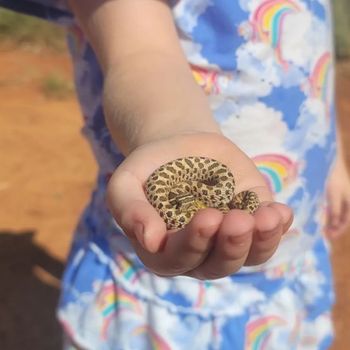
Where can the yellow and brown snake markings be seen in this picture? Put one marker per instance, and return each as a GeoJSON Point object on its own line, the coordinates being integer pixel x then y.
{"type": "Point", "coordinates": [180, 188]}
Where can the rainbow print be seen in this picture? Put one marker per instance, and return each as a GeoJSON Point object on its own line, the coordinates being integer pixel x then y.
{"type": "Point", "coordinates": [129, 272]}
{"type": "Point", "coordinates": [278, 170]}
{"type": "Point", "coordinates": [268, 20]}
{"type": "Point", "coordinates": [202, 287]}
{"type": "Point", "coordinates": [259, 332]}
{"type": "Point", "coordinates": [285, 269]}
{"type": "Point", "coordinates": [281, 270]}
{"type": "Point", "coordinates": [206, 79]}
{"type": "Point", "coordinates": [295, 332]}
{"type": "Point", "coordinates": [76, 39]}
{"type": "Point", "coordinates": [67, 328]}
{"type": "Point", "coordinates": [113, 300]}
{"type": "Point", "coordinates": [157, 342]}
{"type": "Point", "coordinates": [320, 77]}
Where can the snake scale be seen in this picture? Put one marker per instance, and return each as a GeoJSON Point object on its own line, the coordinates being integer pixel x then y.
{"type": "Point", "coordinates": [178, 189]}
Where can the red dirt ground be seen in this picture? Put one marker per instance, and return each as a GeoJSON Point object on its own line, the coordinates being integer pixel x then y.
{"type": "Point", "coordinates": [46, 177]}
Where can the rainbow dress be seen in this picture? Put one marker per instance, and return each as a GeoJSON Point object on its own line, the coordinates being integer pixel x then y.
{"type": "Point", "coordinates": [267, 69]}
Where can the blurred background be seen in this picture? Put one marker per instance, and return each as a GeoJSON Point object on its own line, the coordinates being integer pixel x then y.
{"type": "Point", "coordinates": [47, 174]}
{"type": "Point", "coordinates": [341, 9]}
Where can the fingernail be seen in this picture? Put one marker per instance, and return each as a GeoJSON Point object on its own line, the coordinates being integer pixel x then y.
{"type": "Point", "coordinates": [139, 231]}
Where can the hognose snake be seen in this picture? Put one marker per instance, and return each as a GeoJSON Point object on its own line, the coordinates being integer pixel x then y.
{"type": "Point", "coordinates": [178, 189]}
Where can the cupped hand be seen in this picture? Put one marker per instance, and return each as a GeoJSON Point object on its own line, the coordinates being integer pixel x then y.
{"type": "Point", "coordinates": [212, 245]}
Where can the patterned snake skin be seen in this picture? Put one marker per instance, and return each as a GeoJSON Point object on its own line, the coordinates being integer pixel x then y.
{"type": "Point", "coordinates": [180, 188]}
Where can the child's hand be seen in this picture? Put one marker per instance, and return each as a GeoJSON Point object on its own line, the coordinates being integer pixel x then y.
{"type": "Point", "coordinates": [338, 195]}
{"type": "Point", "coordinates": [212, 245]}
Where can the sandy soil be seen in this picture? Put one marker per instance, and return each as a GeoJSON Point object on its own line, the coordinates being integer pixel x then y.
{"type": "Point", "coordinates": [46, 177]}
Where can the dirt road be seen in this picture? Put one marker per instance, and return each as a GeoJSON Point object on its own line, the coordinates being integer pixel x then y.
{"type": "Point", "coordinates": [46, 176]}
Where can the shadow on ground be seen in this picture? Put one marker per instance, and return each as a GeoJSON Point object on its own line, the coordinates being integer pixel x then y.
{"type": "Point", "coordinates": [29, 294]}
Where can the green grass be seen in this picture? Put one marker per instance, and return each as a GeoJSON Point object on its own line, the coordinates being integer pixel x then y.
{"type": "Point", "coordinates": [26, 30]}
{"type": "Point", "coordinates": [56, 86]}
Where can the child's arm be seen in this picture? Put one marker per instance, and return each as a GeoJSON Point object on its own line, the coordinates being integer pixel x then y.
{"type": "Point", "coordinates": [156, 113]}
{"type": "Point", "coordinates": [149, 90]}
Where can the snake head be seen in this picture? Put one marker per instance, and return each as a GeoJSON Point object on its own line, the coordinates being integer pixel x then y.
{"type": "Point", "coordinates": [193, 206]}
{"type": "Point", "coordinates": [185, 201]}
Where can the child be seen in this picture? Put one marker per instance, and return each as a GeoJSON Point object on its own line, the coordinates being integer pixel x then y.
{"type": "Point", "coordinates": [225, 281]}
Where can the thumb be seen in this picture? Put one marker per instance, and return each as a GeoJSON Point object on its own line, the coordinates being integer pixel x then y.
{"type": "Point", "coordinates": [132, 211]}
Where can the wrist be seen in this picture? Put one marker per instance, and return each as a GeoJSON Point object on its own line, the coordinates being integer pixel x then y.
{"type": "Point", "coordinates": [167, 103]}
{"type": "Point", "coordinates": [178, 127]}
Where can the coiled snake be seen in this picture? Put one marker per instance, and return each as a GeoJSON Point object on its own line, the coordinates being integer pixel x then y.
{"type": "Point", "coordinates": [180, 188]}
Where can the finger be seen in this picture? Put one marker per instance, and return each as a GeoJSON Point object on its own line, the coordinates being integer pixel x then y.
{"type": "Point", "coordinates": [269, 227]}
{"type": "Point", "coordinates": [194, 238]}
{"type": "Point", "coordinates": [285, 212]}
{"type": "Point", "coordinates": [132, 211]}
{"type": "Point", "coordinates": [335, 231]}
{"type": "Point", "coordinates": [187, 248]}
{"type": "Point", "coordinates": [334, 213]}
{"type": "Point", "coordinates": [345, 214]}
{"type": "Point", "coordinates": [334, 209]}
{"type": "Point", "coordinates": [266, 199]}
{"type": "Point", "coordinates": [231, 247]}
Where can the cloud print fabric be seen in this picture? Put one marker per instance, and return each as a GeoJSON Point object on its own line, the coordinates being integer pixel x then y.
{"type": "Point", "coordinates": [267, 69]}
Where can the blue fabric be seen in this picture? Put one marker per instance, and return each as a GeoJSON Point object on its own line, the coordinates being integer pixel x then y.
{"type": "Point", "coordinates": [37, 9]}
{"type": "Point", "coordinates": [267, 69]}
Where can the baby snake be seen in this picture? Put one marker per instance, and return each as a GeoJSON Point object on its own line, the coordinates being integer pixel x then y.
{"type": "Point", "coordinates": [178, 189]}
